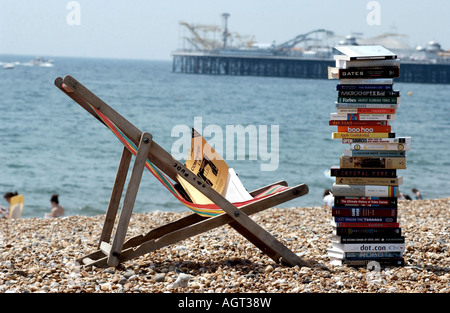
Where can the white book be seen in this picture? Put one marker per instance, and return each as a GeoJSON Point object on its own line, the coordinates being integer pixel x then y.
{"type": "Point", "coordinates": [235, 190]}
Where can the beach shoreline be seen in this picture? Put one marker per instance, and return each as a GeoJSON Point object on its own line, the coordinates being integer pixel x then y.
{"type": "Point", "coordinates": [38, 256]}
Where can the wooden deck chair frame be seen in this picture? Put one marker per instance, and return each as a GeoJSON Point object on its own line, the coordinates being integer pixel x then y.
{"type": "Point", "coordinates": [112, 254]}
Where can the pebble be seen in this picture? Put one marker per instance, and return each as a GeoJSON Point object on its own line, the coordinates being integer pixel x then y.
{"type": "Point", "coordinates": [38, 255]}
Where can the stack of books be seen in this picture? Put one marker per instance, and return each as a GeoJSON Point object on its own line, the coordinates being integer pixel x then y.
{"type": "Point", "coordinates": [364, 215]}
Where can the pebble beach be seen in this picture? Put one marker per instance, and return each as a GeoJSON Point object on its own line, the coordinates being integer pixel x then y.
{"type": "Point", "coordinates": [38, 256]}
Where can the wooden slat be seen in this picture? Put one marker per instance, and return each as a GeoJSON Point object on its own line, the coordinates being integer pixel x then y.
{"type": "Point", "coordinates": [116, 195]}
{"type": "Point", "coordinates": [130, 197]}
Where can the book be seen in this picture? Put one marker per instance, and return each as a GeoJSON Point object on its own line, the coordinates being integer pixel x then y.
{"type": "Point", "coordinates": [394, 100]}
{"type": "Point", "coordinates": [364, 212]}
{"type": "Point", "coordinates": [366, 105]}
{"type": "Point", "coordinates": [373, 93]}
{"type": "Point", "coordinates": [380, 146]}
{"type": "Point", "coordinates": [361, 116]}
{"type": "Point", "coordinates": [335, 253]}
{"type": "Point", "coordinates": [364, 190]}
{"type": "Point", "coordinates": [370, 181]}
{"type": "Point", "coordinates": [372, 162]}
{"type": "Point", "coordinates": [369, 247]}
{"type": "Point", "coordinates": [375, 153]}
{"type": "Point", "coordinates": [367, 81]}
{"type": "Point", "coordinates": [400, 143]}
{"type": "Point", "coordinates": [406, 140]}
{"type": "Point", "coordinates": [369, 86]}
{"type": "Point", "coordinates": [358, 123]}
{"type": "Point", "coordinates": [363, 72]}
{"type": "Point", "coordinates": [366, 63]}
{"type": "Point", "coordinates": [369, 52]}
{"type": "Point", "coordinates": [381, 202]}
{"type": "Point", "coordinates": [353, 239]}
{"type": "Point", "coordinates": [351, 219]}
{"type": "Point", "coordinates": [357, 262]}
{"type": "Point", "coordinates": [365, 225]}
{"type": "Point", "coordinates": [234, 189]}
{"type": "Point", "coordinates": [347, 110]}
{"type": "Point", "coordinates": [207, 164]}
{"type": "Point", "coordinates": [352, 172]}
{"type": "Point", "coordinates": [339, 135]}
{"type": "Point", "coordinates": [364, 129]}
{"type": "Point", "coordinates": [368, 231]}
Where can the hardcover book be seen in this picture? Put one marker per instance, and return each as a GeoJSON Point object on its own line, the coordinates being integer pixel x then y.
{"type": "Point", "coordinates": [372, 162]}
{"type": "Point", "coordinates": [386, 202]}
{"type": "Point", "coordinates": [370, 52]}
{"type": "Point", "coordinates": [365, 190]}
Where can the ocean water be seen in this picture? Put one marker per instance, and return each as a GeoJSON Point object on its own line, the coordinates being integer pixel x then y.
{"type": "Point", "coordinates": [51, 145]}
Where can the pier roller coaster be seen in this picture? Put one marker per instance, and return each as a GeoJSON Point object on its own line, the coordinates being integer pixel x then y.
{"type": "Point", "coordinates": [285, 47]}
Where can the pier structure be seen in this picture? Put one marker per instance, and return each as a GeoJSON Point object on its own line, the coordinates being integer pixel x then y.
{"type": "Point", "coordinates": [292, 67]}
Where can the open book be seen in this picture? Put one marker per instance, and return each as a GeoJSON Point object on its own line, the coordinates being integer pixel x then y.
{"type": "Point", "coordinates": [207, 164]}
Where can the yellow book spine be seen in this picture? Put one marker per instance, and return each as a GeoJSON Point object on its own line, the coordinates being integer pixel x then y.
{"type": "Point", "coordinates": [339, 135]}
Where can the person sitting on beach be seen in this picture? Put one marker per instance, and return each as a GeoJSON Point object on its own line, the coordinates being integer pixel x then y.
{"type": "Point", "coordinates": [57, 210]}
{"type": "Point", "coordinates": [5, 211]}
{"type": "Point", "coordinates": [417, 193]}
{"type": "Point", "coordinates": [328, 198]}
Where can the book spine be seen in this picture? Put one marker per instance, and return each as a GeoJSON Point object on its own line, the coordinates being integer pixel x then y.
{"type": "Point", "coordinates": [383, 202]}
{"type": "Point", "coordinates": [361, 117]}
{"type": "Point", "coordinates": [357, 123]}
{"type": "Point", "coordinates": [380, 146]}
{"type": "Point", "coordinates": [363, 87]}
{"type": "Point", "coordinates": [364, 129]}
{"type": "Point", "coordinates": [368, 93]}
{"type": "Point", "coordinates": [348, 172]}
{"type": "Point", "coordinates": [367, 105]}
{"type": "Point", "coordinates": [365, 190]}
{"type": "Point", "coordinates": [366, 110]}
{"type": "Point", "coordinates": [373, 255]}
{"type": "Point", "coordinates": [348, 219]}
{"type": "Point", "coordinates": [342, 135]}
{"type": "Point", "coordinates": [384, 262]}
{"type": "Point", "coordinates": [377, 232]}
{"type": "Point", "coordinates": [370, 72]}
{"type": "Point", "coordinates": [378, 140]}
{"type": "Point", "coordinates": [372, 162]}
{"type": "Point", "coordinates": [367, 81]}
{"type": "Point", "coordinates": [352, 239]}
{"type": "Point", "coordinates": [365, 225]}
{"type": "Point", "coordinates": [375, 153]}
{"type": "Point", "coordinates": [394, 100]}
{"type": "Point", "coordinates": [370, 181]}
{"type": "Point", "coordinates": [364, 212]}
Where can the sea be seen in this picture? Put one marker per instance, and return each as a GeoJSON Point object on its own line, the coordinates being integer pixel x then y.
{"type": "Point", "coordinates": [49, 144]}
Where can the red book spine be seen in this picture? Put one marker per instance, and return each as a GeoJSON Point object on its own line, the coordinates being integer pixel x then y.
{"type": "Point", "coordinates": [364, 129]}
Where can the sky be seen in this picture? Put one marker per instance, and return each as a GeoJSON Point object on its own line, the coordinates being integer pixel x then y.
{"type": "Point", "coordinates": [150, 29]}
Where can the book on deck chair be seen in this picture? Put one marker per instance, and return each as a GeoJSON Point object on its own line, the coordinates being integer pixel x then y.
{"type": "Point", "coordinates": [208, 165]}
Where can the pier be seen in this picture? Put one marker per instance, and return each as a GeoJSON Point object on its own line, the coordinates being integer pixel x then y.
{"type": "Point", "coordinates": [291, 67]}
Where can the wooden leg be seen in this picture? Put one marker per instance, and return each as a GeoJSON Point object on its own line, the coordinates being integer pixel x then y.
{"type": "Point", "coordinates": [130, 197]}
{"type": "Point", "coordinates": [116, 194]}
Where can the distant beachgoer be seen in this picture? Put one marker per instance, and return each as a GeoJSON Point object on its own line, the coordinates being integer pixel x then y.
{"type": "Point", "coordinates": [328, 198]}
{"type": "Point", "coordinates": [417, 193]}
{"type": "Point", "coordinates": [404, 196]}
{"type": "Point", "coordinates": [57, 210]}
{"type": "Point", "coordinates": [5, 211]}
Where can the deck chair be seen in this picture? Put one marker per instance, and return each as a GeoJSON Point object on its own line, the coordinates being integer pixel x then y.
{"type": "Point", "coordinates": [148, 154]}
{"type": "Point", "coordinates": [16, 207]}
